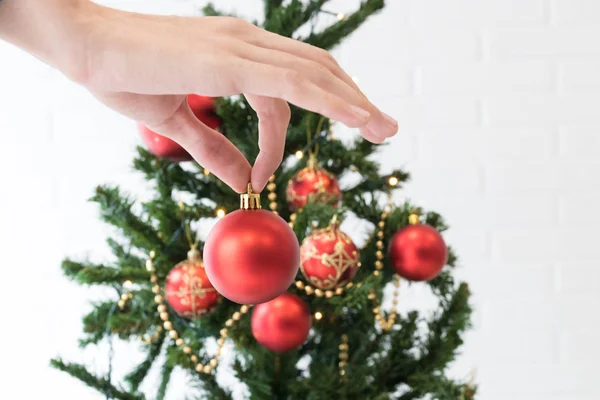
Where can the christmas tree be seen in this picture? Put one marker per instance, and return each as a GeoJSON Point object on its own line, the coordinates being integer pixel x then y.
{"type": "Point", "coordinates": [328, 337]}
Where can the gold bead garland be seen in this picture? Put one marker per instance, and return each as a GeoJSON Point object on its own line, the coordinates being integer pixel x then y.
{"type": "Point", "coordinates": [173, 334]}
{"type": "Point", "coordinates": [379, 234]}
{"type": "Point", "coordinates": [309, 290]}
{"type": "Point", "coordinates": [343, 356]}
{"type": "Point", "coordinates": [271, 186]}
{"type": "Point", "coordinates": [386, 324]}
{"type": "Point", "coordinates": [125, 297]}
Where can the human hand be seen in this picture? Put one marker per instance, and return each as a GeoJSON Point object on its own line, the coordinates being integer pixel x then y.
{"type": "Point", "coordinates": [144, 66]}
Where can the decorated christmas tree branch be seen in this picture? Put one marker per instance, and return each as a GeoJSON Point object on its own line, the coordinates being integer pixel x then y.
{"type": "Point", "coordinates": [331, 36]}
{"type": "Point", "coordinates": [103, 385]}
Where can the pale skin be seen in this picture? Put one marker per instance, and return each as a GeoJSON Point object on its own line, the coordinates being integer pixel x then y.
{"type": "Point", "coordinates": [143, 67]}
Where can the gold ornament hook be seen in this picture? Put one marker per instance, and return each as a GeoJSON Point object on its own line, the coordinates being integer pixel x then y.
{"type": "Point", "coordinates": [250, 200]}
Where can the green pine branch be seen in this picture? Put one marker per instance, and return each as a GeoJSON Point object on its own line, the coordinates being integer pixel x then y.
{"type": "Point", "coordinates": [333, 35]}
{"type": "Point", "coordinates": [103, 385]}
{"type": "Point", "coordinates": [94, 274]}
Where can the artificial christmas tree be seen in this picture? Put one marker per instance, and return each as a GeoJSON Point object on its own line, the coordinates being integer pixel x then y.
{"type": "Point", "coordinates": [353, 348]}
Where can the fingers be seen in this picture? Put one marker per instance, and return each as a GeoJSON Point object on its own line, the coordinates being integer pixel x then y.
{"type": "Point", "coordinates": [208, 147]}
{"type": "Point", "coordinates": [309, 85]}
{"type": "Point", "coordinates": [274, 117]}
{"type": "Point", "coordinates": [380, 123]}
{"type": "Point", "coordinates": [296, 88]}
{"type": "Point", "coordinates": [172, 117]}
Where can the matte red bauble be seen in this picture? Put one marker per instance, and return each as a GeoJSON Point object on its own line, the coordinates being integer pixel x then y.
{"type": "Point", "coordinates": [188, 290]}
{"type": "Point", "coordinates": [162, 146]}
{"type": "Point", "coordinates": [312, 184]}
{"type": "Point", "coordinates": [251, 255]}
{"type": "Point", "coordinates": [418, 252]}
{"type": "Point", "coordinates": [203, 108]}
{"type": "Point", "coordinates": [329, 258]}
{"type": "Point", "coordinates": [281, 324]}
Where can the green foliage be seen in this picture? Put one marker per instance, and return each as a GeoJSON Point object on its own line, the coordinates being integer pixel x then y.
{"type": "Point", "coordinates": [103, 385]}
{"type": "Point", "coordinates": [407, 362]}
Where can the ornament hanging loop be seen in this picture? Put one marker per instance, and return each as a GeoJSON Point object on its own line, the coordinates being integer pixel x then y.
{"type": "Point", "coordinates": [194, 255]}
{"type": "Point", "coordinates": [250, 200]}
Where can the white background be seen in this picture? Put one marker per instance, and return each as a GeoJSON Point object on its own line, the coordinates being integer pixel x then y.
{"type": "Point", "coordinates": [499, 110]}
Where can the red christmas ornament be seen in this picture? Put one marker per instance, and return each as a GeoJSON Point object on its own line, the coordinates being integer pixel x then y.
{"type": "Point", "coordinates": [251, 255]}
{"type": "Point", "coordinates": [418, 252]}
{"type": "Point", "coordinates": [188, 290]}
{"type": "Point", "coordinates": [312, 184]}
{"type": "Point", "coordinates": [329, 258]}
{"type": "Point", "coordinates": [281, 324]}
{"type": "Point", "coordinates": [203, 108]}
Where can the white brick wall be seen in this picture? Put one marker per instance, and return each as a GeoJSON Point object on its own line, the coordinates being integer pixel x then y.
{"type": "Point", "coordinates": [499, 109]}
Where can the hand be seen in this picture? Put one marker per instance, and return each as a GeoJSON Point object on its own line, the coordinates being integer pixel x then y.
{"type": "Point", "coordinates": [144, 66]}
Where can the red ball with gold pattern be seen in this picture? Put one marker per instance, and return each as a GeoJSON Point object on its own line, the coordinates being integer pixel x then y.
{"type": "Point", "coordinates": [329, 258]}
{"type": "Point", "coordinates": [188, 290]}
{"type": "Point", "coordinates": [312, 184]}
{"type": "Point", "coordinates": [281, 324]}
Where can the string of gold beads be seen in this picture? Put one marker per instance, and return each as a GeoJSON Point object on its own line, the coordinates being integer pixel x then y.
{"type": "Point", "coordinates": [271, 186]}
{"type": "Point", "coordinates": [174, 335]}
{"type": "Point", "coordinates": [329, 293]}
{"type": "Point", "coordinates": [386, 324]}
{"type": "Point", "coordinates": [380, 234]}
{"type": "Point", "coordinates": [344, 348]}
{"type": "Point", "coordinates": [125, 297]}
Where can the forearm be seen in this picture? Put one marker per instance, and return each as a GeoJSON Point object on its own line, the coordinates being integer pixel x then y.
{"type": "Point", "coordinates": [49, 29]}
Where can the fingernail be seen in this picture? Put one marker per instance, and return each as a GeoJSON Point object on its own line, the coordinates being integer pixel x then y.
{"type": "Point", "coordinates": [361, 114]}
{"type": "Point", "coordinates": [390, 121]}
{"type": "Point", "coordinates": [370, 136]}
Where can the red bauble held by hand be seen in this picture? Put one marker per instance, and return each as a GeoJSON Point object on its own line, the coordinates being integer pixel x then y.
{"type": "Point", "coordinates": [418, 252]}
{"type": "Point", "coordinates": [251, 255]}
{"type": "Point", "coordinates": [161, 146]}
{"type": "Point", "coordinates": [281, 324]}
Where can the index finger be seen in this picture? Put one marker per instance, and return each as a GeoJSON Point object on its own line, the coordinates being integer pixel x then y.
{"type": "Point", "coordinates": [209, 148]}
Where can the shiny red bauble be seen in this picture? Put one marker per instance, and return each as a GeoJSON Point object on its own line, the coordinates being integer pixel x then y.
{"type": "Point", "coordinates": [312, 184]}
{"type": "Point", "coordinates": [418, 252]}
{"type": "Point", "coordinates": [188, 290]}
{"type": "Point", "coordinates": [281, 324]}
{"type": "Point", "coordinates": [251, 256]}
{"type": "Point", "coordinates": [203, 108]}
{"type": "Point", "coordinates": [329, 258]}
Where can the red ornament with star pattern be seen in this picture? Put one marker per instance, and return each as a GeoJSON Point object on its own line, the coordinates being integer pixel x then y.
{"type": "Point", "coordinates": [188, 290]}
{"type": "Point", "coordinates": [329, 258]}
{"type": "Point", "coordinates": [312, 184]}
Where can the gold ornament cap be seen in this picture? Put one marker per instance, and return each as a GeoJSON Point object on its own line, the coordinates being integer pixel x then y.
{"type": "Point", "coordinates": [194, 255]}
{"type": "Point", "coordinates": [413, 218]}
{"type": "Point", "coordinates": [250, 200]}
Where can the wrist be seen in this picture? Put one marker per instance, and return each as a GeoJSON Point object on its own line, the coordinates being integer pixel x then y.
{"type": "Point", "coordinates": [55, 31]}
